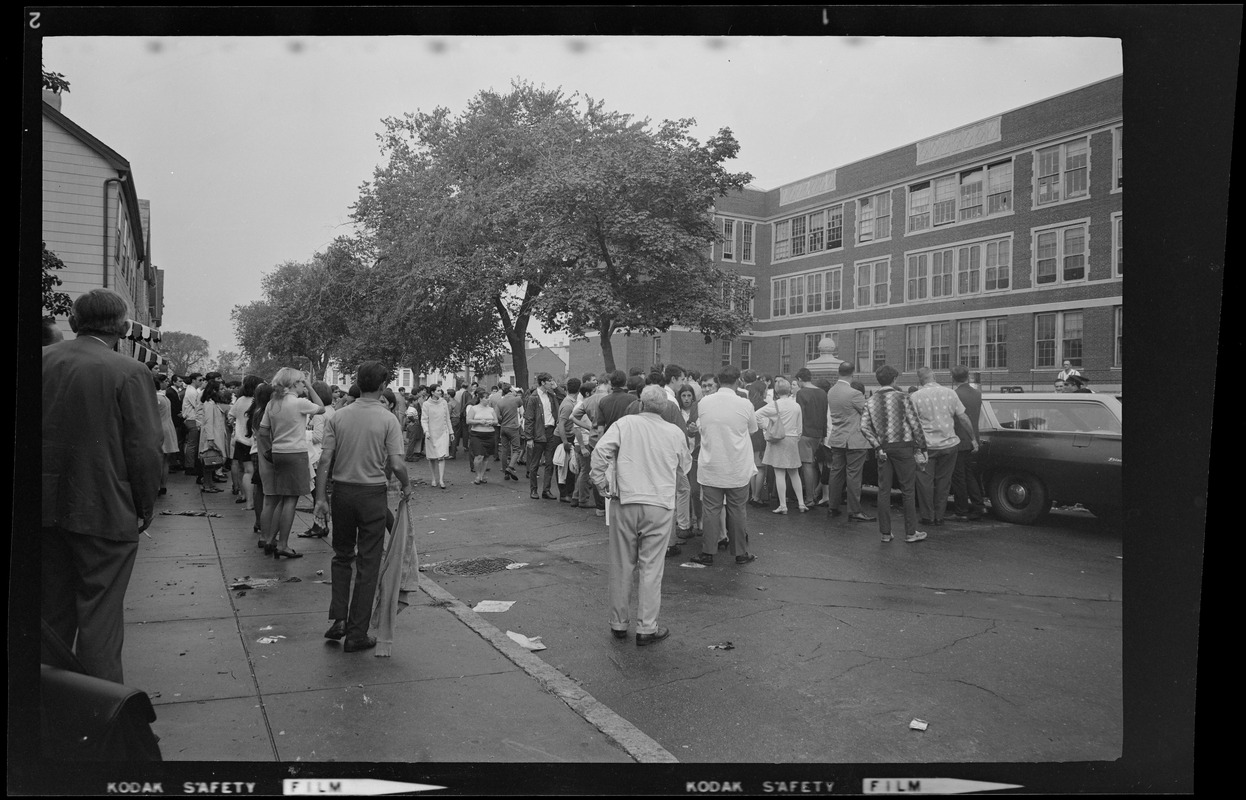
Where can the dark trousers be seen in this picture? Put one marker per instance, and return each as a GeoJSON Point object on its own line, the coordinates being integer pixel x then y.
{"type": "Point", "coordinates": [934, 482]}
{"type": "Point", "coordinates": [966, 484]}
{"type": "Point", "coordinates": [900, 467]}
{"type": "Point", "coordinates": [84, 579]}
{"type": "Point", "coordinates": [190, 448]}
{"type": "Point", "coordinates": [846, 466]}
{"type": "Point", "coordinates": [359, 515]}
{"type": "Point", "coordinates": [715, 498]}
{"type": "Point", "coordinates": [543, 456]}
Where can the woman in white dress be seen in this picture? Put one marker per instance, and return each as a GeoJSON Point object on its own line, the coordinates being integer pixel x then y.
{"type": "Point", "coordinates": [783, 415]}
{"type": "Point", "coordinates": [435, 421]}
{"type": "Point", "coordinates": [169, 443]}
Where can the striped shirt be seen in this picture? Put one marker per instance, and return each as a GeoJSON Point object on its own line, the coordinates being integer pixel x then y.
{"type": "Point", "coordinates": [890, 418]}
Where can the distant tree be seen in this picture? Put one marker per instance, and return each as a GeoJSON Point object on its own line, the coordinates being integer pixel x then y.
{"type": "Point", "coordinates": [55, 304]}
{"type": "Point", "coordinates": [185, 352]}
{"type": "Point", "coordinates": [229, 364]}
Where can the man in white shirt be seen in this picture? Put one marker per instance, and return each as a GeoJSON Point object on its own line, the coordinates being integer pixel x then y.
{"type": "Point", "coordinates": [636, 464]}
{"type": "Point", "coordinates": [1067, 372]}
{"type": "Point", "coordinates": [939, 408]}
{"type": "Point", "coordinates": [726, 421]}
{"type": "Point", "coordinates": [191, 406]}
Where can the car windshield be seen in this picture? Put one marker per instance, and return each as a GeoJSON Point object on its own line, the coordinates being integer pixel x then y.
{"type": "Point", "coordinates": [1040, 415]}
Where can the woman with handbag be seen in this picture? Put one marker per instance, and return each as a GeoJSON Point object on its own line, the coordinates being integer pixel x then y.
{"type": "Point", "coordinates": [783, 422]}
{"type": "Point", "coordinates": [214, 436]}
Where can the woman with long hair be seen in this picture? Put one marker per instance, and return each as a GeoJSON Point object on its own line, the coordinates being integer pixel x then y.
{"type": "Point", "coordinates": [259, 467]}
{"type": "Point", "coordinates": [213, 431]}
{"type": "Point", "coordinates": [283, 444]}
{"type": "Point", "coordinates": [435, 420]}
{"type": "Point", "coordinates": [243, 441]}
{"type": "Point", "coordinates": [688, 409]}
{"type": "Point", "coordinates": [783, 455]}
{"type": "Point", "coordinates": [169, 444]}
{"type": "Point", "coordinates": [758, 484]}
{"type": "Point", "coordinates": [482, 422]}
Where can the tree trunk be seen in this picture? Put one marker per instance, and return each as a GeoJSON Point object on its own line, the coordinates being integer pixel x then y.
{"type": "Point", "coordinates": [605, 330]}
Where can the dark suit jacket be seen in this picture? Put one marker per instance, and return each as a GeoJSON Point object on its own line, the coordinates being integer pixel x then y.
{"type": "Point", "coordinates": [971, 399]}
{"type": "Point", "coordinates": [101, 440]}
{"type": "Point", "coordinates": [534, 421]}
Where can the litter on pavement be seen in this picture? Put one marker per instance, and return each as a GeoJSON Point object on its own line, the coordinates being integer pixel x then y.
{"type": "Point", "coordinates": [919, 724]}
{"type": "Point", "coordinates": [692, 566]}
{"type": "Point", "coordinates": [268, 639]}
{"type": "Point", "coordinates": [722, 646]}
{"type": "Point", "coordinates": [517, 566]}
{"type": "Point", "coordinates": [189, 514]}
{"type": "Point", "coordinates": [526, 642]}
{"type": "Point", "coordinates": [494, 605]}
{"type": "Point", "coordinates": [254, 583]}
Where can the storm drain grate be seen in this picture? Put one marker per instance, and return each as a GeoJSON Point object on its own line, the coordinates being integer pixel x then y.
{"type": "Point", "coordinates": [472, 566]}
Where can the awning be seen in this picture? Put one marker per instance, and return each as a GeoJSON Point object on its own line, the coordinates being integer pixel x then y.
{"type": "Point", "coordinates": [138, 332]}
{"type": "Point", "coordinates": [148, 356]}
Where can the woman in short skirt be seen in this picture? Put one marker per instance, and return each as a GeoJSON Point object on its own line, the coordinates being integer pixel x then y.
{"type": "Point", "coordinates": [482, 421]}
{"type": "Point", "coordinates": [784, 456]}
{"type": "Point", "coordinates": [283, 444]}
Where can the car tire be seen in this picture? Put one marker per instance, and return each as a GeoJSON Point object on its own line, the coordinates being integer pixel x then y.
{"type": "Point", "coordinates": [1018, 498]}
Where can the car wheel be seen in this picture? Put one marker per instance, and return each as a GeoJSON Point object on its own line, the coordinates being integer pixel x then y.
{"type": "Point", "coordinates": [1018, 498]}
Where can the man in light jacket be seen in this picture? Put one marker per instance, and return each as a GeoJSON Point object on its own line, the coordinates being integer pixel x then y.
{"type": "Point", "coordinates": [844, 406]}
{"type": "Point", "coordinates": [635, 464]}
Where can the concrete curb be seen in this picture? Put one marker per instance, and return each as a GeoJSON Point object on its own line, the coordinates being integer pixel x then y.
{"type": "Point", "coordinates": [626, 735]}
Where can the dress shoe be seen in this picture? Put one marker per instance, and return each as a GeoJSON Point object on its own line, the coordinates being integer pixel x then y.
{"type": "Point", "coordinates": [644, 639]}
{"type": "Point", "coordinates": [833, 512]}
{"type": "Point", "coordinates": [916, 537]}
{"type": "Point", "coordinates": [684, 534]}
{"type": "Point", "coordinates": [704, 559]}
{"type": "Point", "coordinates": [672, 550]}
{"type": "Point", "coordinates": [337, 630]}
{"type": "Point", "coordinates": [354, 646]}
{"type": "Point", "coordinates": [534, 495]}
{"type": "Point", "coordinates": [618, 634]}
{"type": "Point", "coordinates": [724, 545]}
{"type": "Point", "coordinates": [747, 558]}
{"type": "Point", "coordinates": [546, 496]}
{"type": "Point", "coordinates": [859, 517]}
{"type": "Point", "coordinates": [280, 554]}
{"type": "Point", "coordinates": [564, 499]}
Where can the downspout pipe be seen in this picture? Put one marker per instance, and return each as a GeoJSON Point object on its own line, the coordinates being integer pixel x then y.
{"type": "Point", "coordinates": [105, 226]}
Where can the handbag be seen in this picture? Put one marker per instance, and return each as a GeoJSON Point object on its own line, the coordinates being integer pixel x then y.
{"type": "Point", "coordinates": [776, 434]}
{"type": "Point", "coordinates": [212, 457]}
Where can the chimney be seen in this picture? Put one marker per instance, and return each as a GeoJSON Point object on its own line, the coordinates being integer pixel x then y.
{"type": "Point", "coordinates": [52, 98]}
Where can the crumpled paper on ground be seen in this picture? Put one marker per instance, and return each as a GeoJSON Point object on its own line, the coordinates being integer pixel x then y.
{"type": "Point", "coordinates": [526, 642]}
{"type": "Point", "coordinates": [189, 514]}
{"type": "Point", "coordinates": [494, 605]}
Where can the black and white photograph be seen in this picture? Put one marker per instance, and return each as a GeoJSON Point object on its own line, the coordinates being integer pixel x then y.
{"type": "Point", "coordinates": [616, 400]}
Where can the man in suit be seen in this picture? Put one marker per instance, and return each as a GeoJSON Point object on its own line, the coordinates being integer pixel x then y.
{"type": "Point", "coordinates": [966, 485]}
{"type": "Point", "coordinates": [847, 445]}
{"type": "Point", "coordinates": [540, 422]}
{"type": "Point", "coordinates": [101, 472]}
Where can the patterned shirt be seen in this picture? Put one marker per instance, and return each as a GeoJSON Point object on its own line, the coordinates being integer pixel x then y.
{"type": "Point", "coordinates": [890, 418]}
{"type": "Point", "coordinates": [937, 406]}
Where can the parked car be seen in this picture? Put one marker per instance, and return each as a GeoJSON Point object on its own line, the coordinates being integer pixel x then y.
{"type": "Point", "coordinates": [1044, 448]}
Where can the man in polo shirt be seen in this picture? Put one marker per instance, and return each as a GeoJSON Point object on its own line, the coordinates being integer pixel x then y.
{"type": "Point", "coordinates": [939, 409]}
{"type": "Point", "coordinates": [725, 466]}
{"type": "Point", "coordinates": [507, 405]}
{"type": "Point", "coordinates": [362, 445]}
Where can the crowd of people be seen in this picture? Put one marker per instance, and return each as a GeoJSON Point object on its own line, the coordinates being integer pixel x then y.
{"type": "Point", "coordinates": [668, 457]}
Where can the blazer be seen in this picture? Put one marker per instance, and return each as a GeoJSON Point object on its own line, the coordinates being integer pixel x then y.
{"type": "Point", "coordinates": [534, 421]}
{"type": "Point", "coordinates": [844, 406]}
{"type": "Point", "coordinates": [101, 440]}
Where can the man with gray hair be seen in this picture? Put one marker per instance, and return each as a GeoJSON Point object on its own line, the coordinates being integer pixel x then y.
{"type": "Point", "coordinates": [635, 464]}
{"type": "Point", "coordinates": [101, 472]}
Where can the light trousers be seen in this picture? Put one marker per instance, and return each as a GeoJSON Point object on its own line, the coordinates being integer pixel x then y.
{"type": "Point", "coordinates": [638, 537]}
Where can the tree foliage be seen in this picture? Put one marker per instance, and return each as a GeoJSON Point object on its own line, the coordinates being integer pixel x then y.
{"type": "Point", "coordinates": [54, 82]}
{"type": "Point", "coordinates": [185, 352]}
{"type": "Point", "coordinates": [55, 304]}
{"type": "Point", "coordinates": [534, 205]}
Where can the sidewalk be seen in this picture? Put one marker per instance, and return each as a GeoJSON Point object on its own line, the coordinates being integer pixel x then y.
{"type": "Point", "coordinates": [455, 690]}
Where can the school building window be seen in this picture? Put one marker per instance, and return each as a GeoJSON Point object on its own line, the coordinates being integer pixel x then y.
{"type": "Point", "coordinates": [1118, 243]}
{"type": "Point", "coordinates": [1118, 356]}
{"type": "Point", "coordinates": [1060, 254]}
{"type": "Point", "coordinates": [959, 270]}
{"type": "Point", "coordinates": [982, 343]}
{"type": "Point", "coordinates": [785, 355]}
{"type": "Point", "coordinates": [728, 240]}
{"type": "Point", "coordinates": [873, 283]}
{"type": "Point", "coordinates": [1057, 338]}
{"type": "Point", "coordinates": [1118, 146]}
{"type": "Point", "coordinates": [874, 218]}
{"type": "Point", "coordinates": [746, 242]}
{"type": "Point", "coordinates": [811, 293]}
{"type": "Point", "coordinates": [730, 299]}
{"type": "Point", "coordinates": [657, 350]}
{"type": "Point", "coordinates": [725, 353]}
{"type": "Point", "coordinates": [809, 233]}
{"type": "Point", "coordinates": [746, 355]}
{"type": "Point", "coordinates": [963, 196]}
{"type": "Point", "coordinates": [871, 349]}
{"type": "Point", "coordinates": [928, 346]}
{"type": "Point", "coordinates": [1062, 172]}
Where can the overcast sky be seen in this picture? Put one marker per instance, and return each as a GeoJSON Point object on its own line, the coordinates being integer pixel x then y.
{"type": "Point", "coordinates": [252, 150]}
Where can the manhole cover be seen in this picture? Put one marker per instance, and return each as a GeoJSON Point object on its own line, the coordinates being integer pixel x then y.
{"type": "Point", "coordinates": [472, 566]}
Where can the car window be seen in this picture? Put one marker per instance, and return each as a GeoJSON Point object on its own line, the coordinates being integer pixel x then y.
{"type": "Point", "coordinates": [1039, 415]}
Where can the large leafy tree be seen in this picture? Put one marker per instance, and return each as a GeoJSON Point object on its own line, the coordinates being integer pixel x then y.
{"type": "Point", "coordinates": [55, 304]}
{"type": "Point", "coordinates": [452, 211]}
{"type": "Point", "coordinates": [185, 352]}
{"type": "Point", "coordinates": [302, 319]}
